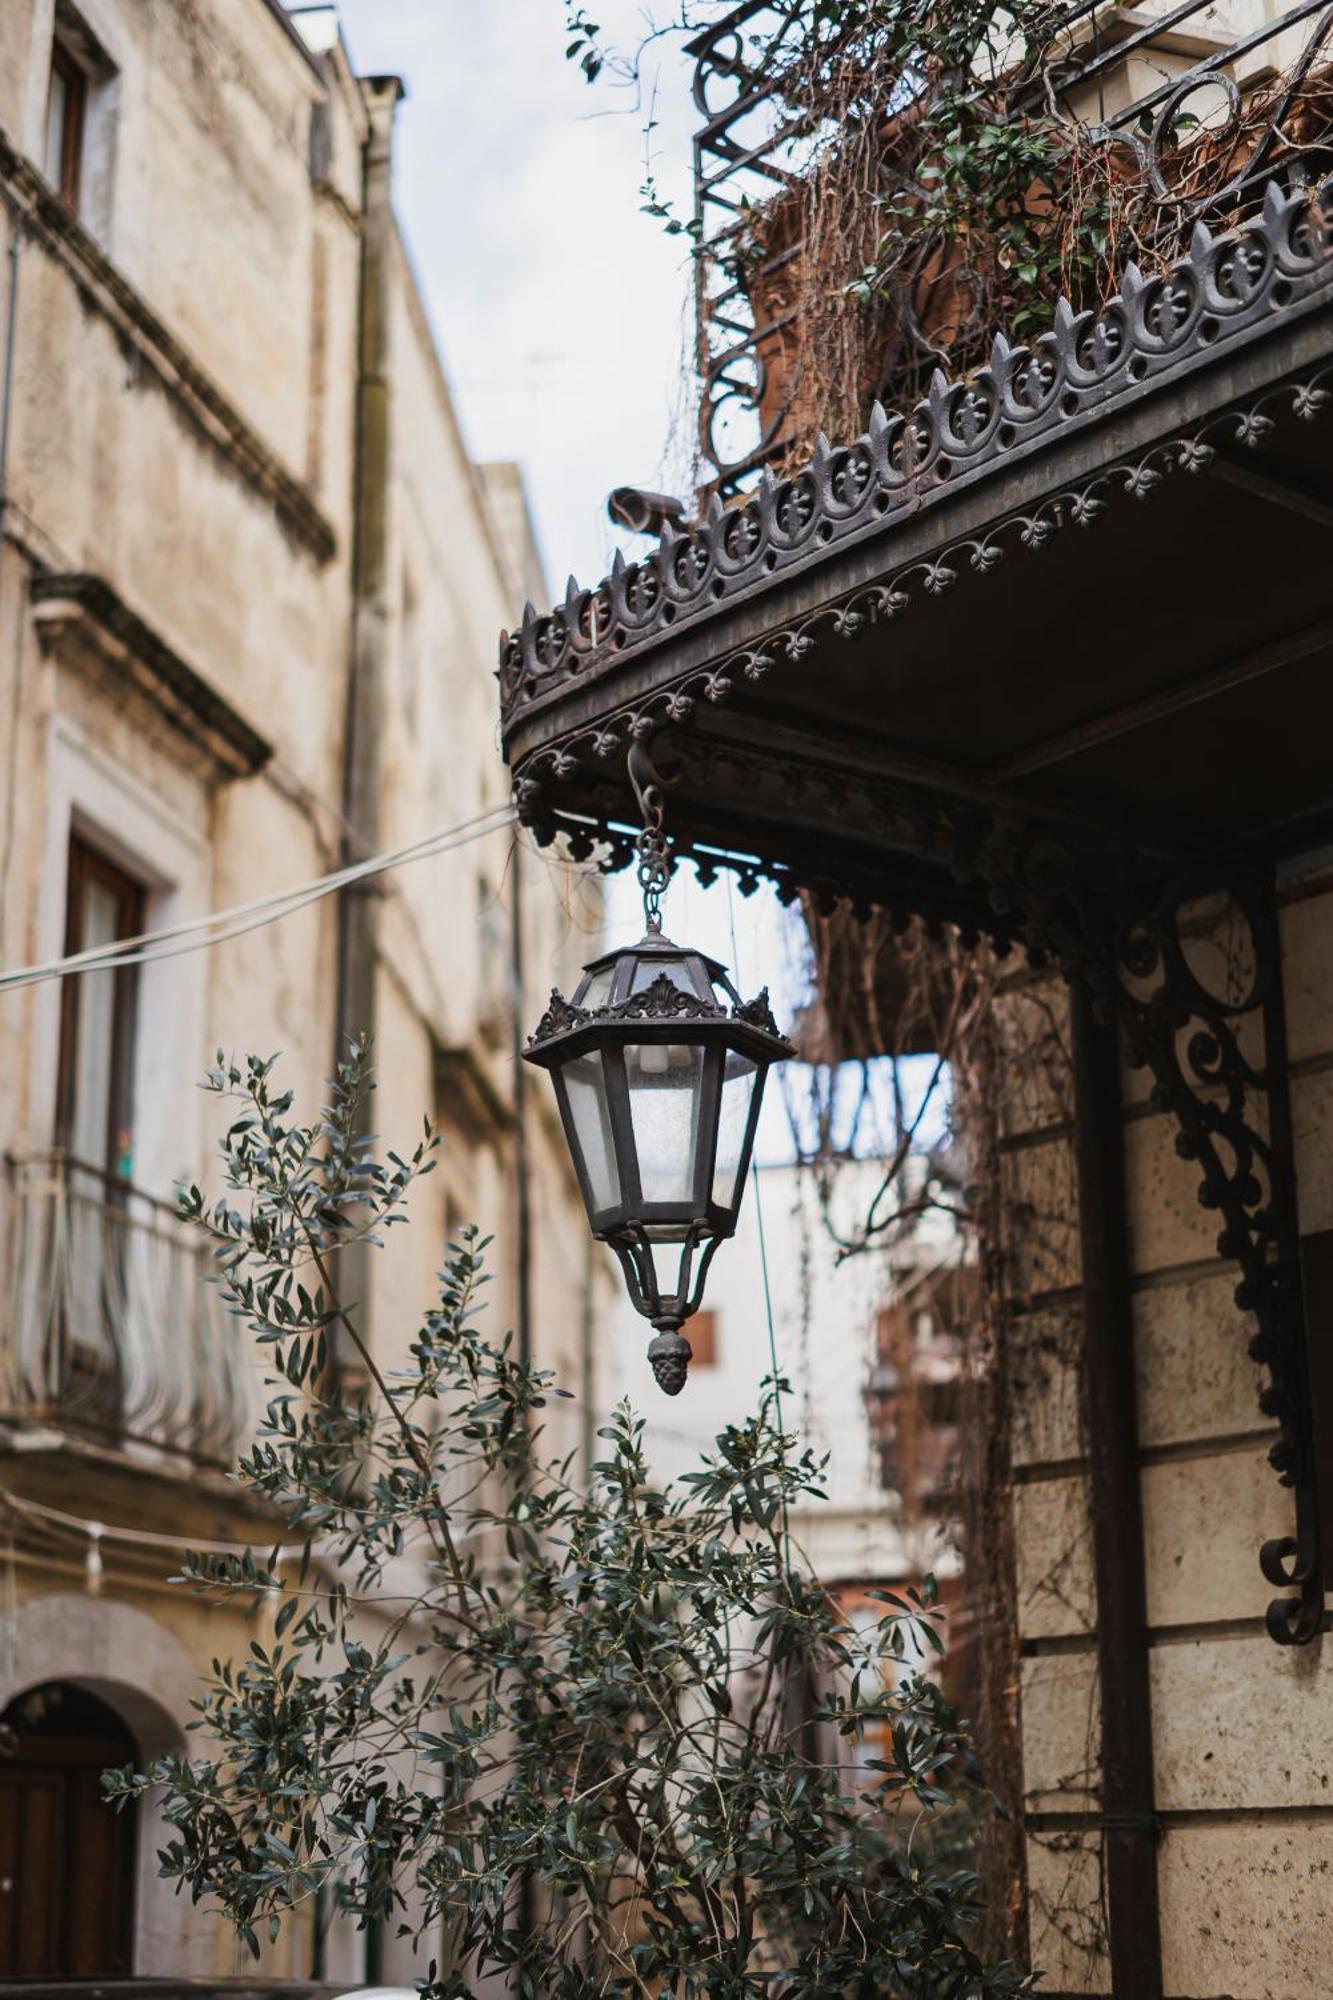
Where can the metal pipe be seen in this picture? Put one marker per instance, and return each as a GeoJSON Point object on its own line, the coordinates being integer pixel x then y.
{"type": "Point", "coordinates": [587, 1366]}
{"type": "Point", "coordinates": [7, 392]}
{"type": "Point", "coordinates": [522, 1161]}
{"type": "Point", "coordinates": [1129, 1822]}
{"type": "Point", "coordinates": [16, 693]}
{"type": "Point", "coordinates": [371, 622]}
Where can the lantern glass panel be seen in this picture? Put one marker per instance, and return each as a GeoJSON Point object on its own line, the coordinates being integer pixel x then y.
{"type": "Point", "coordinates": [649, 970]}
{"type": "Point", "coordinates": [585, 1082]}
{"type": "Point", "coordinates": [665, 1086]}
{"type": "Point", "coordinates": [599, 988]}
{"type": "Point", "coordinates": [738, 1079]}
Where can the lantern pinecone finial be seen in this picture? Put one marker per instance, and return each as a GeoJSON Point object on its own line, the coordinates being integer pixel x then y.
{"type": "Point", "coordinates": [670, 1355]}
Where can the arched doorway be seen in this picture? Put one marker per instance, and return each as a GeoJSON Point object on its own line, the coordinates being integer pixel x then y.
{"type": "Point", "coordinates": [67, 1859]}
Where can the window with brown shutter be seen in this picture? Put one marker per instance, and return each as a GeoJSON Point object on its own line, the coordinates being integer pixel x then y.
{"type": "Point", "coordinates": [66, 114]}
{"type": "Point", "coordinates": [96, 1092]}
{"type": "Point", "coordinates": [702, 1334]}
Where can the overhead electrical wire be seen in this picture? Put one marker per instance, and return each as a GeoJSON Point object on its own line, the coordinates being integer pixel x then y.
{"type": "Point", "coordinates": [75, 1524]}
{"type": "Point", "coordinates": [218, 926]}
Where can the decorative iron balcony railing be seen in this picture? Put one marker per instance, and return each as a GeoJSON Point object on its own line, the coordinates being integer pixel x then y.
{"type": "Point", "coordinates": [111, 1329]}
{"type": "Point", "coordinates": [1241, 88]}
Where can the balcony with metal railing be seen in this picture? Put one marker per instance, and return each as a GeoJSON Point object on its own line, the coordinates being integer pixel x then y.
{"type": "Point", "coordinates": [111, 1329]}
{"type": "Point", "coordinates": [1171, 113]}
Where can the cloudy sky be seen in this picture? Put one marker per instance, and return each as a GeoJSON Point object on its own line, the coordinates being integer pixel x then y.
{"type": "Point", "coordinates": [562, 311]}
{"type": "Point", "coordinates": [560, 308]}
{"type": "Point", "coordinates": [563, 314]}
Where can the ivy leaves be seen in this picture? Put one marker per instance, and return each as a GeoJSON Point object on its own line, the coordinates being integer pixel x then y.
{"type": "Point", "coordinates": [583, 46]}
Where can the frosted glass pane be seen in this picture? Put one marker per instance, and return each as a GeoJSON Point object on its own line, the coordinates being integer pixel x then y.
{"type": "Point", "coordinates": [649, 970]}
{"type": "Point", "coordinates": [665, 1079]}
{"type": "Point", "coordinates": [599, 989]}
{"type": "Point", "coordinates": [586, 1084]}
{"type": "Point", "coordinates": [737, 1093]}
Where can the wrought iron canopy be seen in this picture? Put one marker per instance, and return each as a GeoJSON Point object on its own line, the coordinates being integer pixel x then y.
{"type": "Point", "coordinates": [659, 1070]}
{"type": "Point", "coordinates": [881, 615]}
{"type": "Point", "coordinates": [908, 676]}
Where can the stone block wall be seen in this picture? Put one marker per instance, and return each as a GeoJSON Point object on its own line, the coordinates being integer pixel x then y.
{"type": "Point", "coordinates": [1242, 1729]}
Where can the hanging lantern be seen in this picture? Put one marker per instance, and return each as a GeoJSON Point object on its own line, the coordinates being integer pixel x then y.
{"type": "Point", "coordinates": [659, 1072]}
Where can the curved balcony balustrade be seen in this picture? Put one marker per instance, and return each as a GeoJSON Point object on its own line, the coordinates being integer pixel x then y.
{"type": "Point", "coordinates": [111, 1330]}
{"type": "Point", "coordinates": [1200, 102]}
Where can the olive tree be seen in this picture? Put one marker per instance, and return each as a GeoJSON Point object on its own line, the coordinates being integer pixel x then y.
{"type": "Point", "coordinates": [598, 1735]}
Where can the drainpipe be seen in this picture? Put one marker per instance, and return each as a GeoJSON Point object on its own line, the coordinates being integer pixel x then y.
{"type": "Point", "coordinates": [7, 391]}
{"type": "Point", "coordinates": [522, 1161]}
{"type": "Point", "coordinates": [1129, 1820]}
{"type": "Point", "coordinates": [6, 424]}
{"type": "Point", "coordinates": [371, 623]}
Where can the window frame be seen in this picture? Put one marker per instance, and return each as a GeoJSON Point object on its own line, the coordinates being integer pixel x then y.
{"type": "Point", "coordinates": [702, 1331]}
{"type": "Point", "coordinates": [87, 865]}
{"type": "Point", "coordinates": [72, 74]}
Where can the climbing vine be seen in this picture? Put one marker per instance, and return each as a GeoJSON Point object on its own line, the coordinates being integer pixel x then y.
{"type": "Point", "coordinates": [941, 173]}
{"type": "Point", "coordinates": [937, 174]}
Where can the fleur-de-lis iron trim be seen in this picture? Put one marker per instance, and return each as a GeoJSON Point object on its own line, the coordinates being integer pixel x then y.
{"type": "Point", "coordinates": [1226, 286]}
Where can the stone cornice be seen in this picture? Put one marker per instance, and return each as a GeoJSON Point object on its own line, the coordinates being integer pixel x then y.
{"type": "Point", "coordinates": [282, 20]}
{"type": "Point", "coordinates": [84, 612]}
{"type": "Point", "coordinates": [46, 219]}
{"type": "Point", "coordinates": [1090, 365]}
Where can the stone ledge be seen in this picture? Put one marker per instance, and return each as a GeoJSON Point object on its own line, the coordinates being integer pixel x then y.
{"type": "Point", "coordinates": [37, 211]}
{"type": "Point", "coordinates": [80, 616]}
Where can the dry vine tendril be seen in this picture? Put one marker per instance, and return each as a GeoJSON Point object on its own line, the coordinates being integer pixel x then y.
{"type": "Point", "coordinates": [938, 182]}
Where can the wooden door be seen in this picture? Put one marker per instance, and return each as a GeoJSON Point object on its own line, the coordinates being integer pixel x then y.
{"type": "Point", "coordinates": [66, 1857]}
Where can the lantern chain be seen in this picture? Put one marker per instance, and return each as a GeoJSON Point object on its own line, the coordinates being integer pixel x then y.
{"type": "Point", "coordinates": [654, 871]}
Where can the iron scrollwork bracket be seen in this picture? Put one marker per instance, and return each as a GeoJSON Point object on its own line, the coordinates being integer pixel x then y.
{"type": "Point", "coordinates": [1190, 966]}
{"type": "Point", "coordinates": [1231, 1107]}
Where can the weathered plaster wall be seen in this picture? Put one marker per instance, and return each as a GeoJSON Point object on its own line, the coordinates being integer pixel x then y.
{"type": "Point", "coordinates": [446, 979]}
{"type": "Point", "coordinates": [183, 426]}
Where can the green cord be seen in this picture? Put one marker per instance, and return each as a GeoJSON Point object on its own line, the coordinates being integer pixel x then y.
{"type": "Point", "coordinates": [768, 1296]}
{"type": "Point", "coordinates": [763, 1246]}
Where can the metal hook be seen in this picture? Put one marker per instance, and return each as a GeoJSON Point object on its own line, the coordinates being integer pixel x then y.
{"type": "Point", "coordinates": [648, 782]}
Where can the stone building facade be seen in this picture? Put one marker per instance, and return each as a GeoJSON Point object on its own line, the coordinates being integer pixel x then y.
{"type": "Point", "coordinates": [249, 579]}
{"type": "Point", "coordinates": [1241, 1832]}
{"type": "Point", "coordinates": [827, 1323]}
